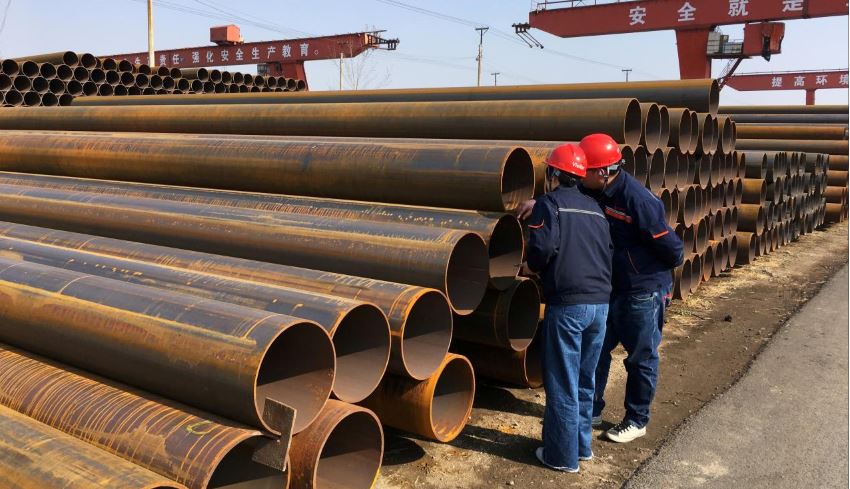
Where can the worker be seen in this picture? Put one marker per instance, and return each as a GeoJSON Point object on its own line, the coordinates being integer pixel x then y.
{"type": "Point", "coordinates": [570, 248]}
{"type": "Point", "coordinates": [645, 252]}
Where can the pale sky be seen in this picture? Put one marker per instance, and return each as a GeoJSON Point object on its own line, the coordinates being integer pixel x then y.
{"type": "Point", "coordinates": [436, 49]}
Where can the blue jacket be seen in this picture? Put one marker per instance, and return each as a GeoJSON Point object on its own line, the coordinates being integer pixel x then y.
{"type": "Point", "coordinates": [646, 249]}
{"type": "Point", "coordinates": [569, 246]}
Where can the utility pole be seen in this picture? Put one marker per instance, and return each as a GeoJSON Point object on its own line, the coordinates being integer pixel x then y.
{"type": "Point", "coordinates": [495, 78]}
{"type": "Point", "coordinates": [151, 60]}
{"type": "Point", "coordinates": [340, 70]}
{"type": "Point", "coordinates": [480, 58]}
{"type": "Point", "coordinates": [626, 71]}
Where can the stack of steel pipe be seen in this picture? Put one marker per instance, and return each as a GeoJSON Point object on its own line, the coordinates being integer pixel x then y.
{"type": "Point", "coordinates": [58, 78]}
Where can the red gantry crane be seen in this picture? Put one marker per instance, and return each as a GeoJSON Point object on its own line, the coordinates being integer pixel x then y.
{"type": "Point", "coordinates": [278, 58]}
{"type": "Point", "coordinates": [790, 80]}
{"type": "Point", "coordinates": [694, 21]}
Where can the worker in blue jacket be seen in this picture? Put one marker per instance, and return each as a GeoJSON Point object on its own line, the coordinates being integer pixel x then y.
{"type": "Point", "coordinates": [569, 247]}
{"type": "Point", "coordinates": [646, 250]}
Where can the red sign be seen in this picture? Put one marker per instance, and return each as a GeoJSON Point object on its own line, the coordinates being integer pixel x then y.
{"type": "Point", "coordinates": [812, 80]}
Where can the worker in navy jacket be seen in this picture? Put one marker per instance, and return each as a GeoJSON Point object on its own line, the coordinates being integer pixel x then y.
{"type": "Point", "coordinates": [569, 247]}
{"type": "Point", "coordinates": [646, 250]}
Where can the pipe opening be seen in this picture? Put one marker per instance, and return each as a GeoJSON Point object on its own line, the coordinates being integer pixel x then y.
{"type": "Point", "coordinates": [452, 401]}
{"type": "Point", "coordinates": [87, 61]}
{"type": "Point", "coordinates": [362, 344]}
{"type": "Point", "coordinates": [632, 124]}
{"type": "Point", "coordinates": [671, 170]}
{"type": "Point", "coordinates": [695, 132]}
{"type": "Point", "coordinates": [517, 179]}
{"type": "Point", "coordinates": [10, 67]}
{"type": "Point", "coordinates": [641, 157]}
{"type": "Point", "coordinates": [652, 128]}
{"type": "Point", "coordinates": [714, 97]}
{"type": "Point", "coordinates": [298, 370]}
{"type": "Point", "coordinates": [49, 100]}
{"type": "Point", "coordinates": [696, 272]}
{"type": "Point", "coordinates": [32, 99]}
{"type": "Point", "coordinates": [505, 252]}
{"type": "Point", "coordinates": [467, 273]}
{"type": "Point", "coordinates": [708, 264]}
{"type": "Point", "coordinates": [237, 471]}
{"type": "Point", "coordinates": [29, 69]}
{"type": "Point", "coordinates": [685, 132]}
{"type": "Point", "coordinates": [655, 178]}
{"type": "Point", "coordinates": [426, 335]}
{"type": "Point", "coordinates": [351, 455]}
{"type": "Point", "coordinates": [523, 314]}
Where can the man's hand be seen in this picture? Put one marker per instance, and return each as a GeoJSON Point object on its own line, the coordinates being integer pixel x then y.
{"type": "Point", "coordinates": [523, 211]}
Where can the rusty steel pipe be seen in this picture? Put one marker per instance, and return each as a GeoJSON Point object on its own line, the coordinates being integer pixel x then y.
{"type": "Point", "coordinates": [105, 90]}
{"type": "Point", "coordinates": [701, 235]}
{"type": "Point", "coordinates": [682, 279]}
{"type": "Point", "coordinates": [836, 178]}
{"type": "Point", "coordinates": [112, 77]}
{"type": "Point", "coordinates": [90, 88]}
{"type": "Point", "coordinates": [64, 73]}
{"type": "Point", "coordinates": [655, 171]}
{"type": "Point", "coordinates": [808, 132]}
{"type": "Point", "coordinates": [650, 129]}
{"type": "Point", "coordinates": [437, 408]}
{"type": "Point", "coordinates": [696, 273]}
{"type": "Point", "coordinates": [5, 83]}
{"type": "Point", "coordinates": [49, 100]}
{"type": "Point", "coordinates": [827, 147]}
{"type": "Point", "coordinates": [747, 244]}
{"type": "Point", "coordinates": [506, 319]}
{"type": "Point", "coordinates": [702, 170]}
{"type": "Point", "coordinates": [81, 74]}
{"type": "Point", "coordinates": [501, 233]}
{"type": "Point", "coordinates": [671, 169]}
{"type": "Point", "coordinates": [707, 263]}
{"type": "Point", "coordinates": [756, 165]}
{"type": "Point", "coordinates": [835, 195]}
{"type": "Point", "coordinates": [13, 98]}
{"type": "Point", "coordinates": [547, 120]}
{"type": "Point", "coordinates": [420, 318]}
{"type": "Point", "coordinates": [201, 74]}
{"type": "Point", "coordinates": [454, 261]}
{"type": "Point", "coordinates": [125, 66]}
{"type": "Point", "coordinates": [755, 191]}
{"type": "Point", "coordinates": [40, 85]}
{"type": "Point", "coordinates": [32, 99]}
{"type": "Point", "coordinates": [462, 176]}
{"type": "Point", "coordinates": [28, 69]}
{"type": "Point", "coordinates": [706, 130]}
{"type": "Point", "coordinates": [680, 129]}
{"type": "Point", "coordinates": [664, 136]}
{"type": "Point", "coordinates": [108, 64]}
{"type": "Point", "coordinates": [686, 234]}
{"type": "Point", "coordinates": [21, 83]}
{"type": "Point", "coordinates": [504, 365]}
{"type": "Point", "coordinates": [687, 170]}
{"type": "Point", "coordinates": [666, 198]}
{"type": "Point", "coordinates": [342, 448]}
{"type": "Point", "coordinates": [752, 218]}
{"type": "Point", "coordinates": [839, 162]}
{"type": "Point", "coordinates": [699, 95]}
{"type": "Point", "coordinates": [100, 325]}
{"type": "Point", "coordinates": [796, 119]}
{"type": "Point", "coordinates": [359, 330]}
{"type": "Point", "coordinates": [35, 456]}
{"type": "Point", "coordinates": [47, 70]}
{"type": "Point", "coordinates": [687, 207]}
{"type": "Point", "coordinates": [177, 442]}
{"type": "Point", "coordinates": [715, 231]}
{"type": "Point", "coordinates": [10, 67]}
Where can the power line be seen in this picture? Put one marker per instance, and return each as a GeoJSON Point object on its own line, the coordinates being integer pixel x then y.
{"type": "Point", "coordinates": [5, 15]}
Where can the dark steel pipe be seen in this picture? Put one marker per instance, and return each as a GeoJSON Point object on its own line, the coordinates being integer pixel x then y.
{"type": "Point", "coordinates": [687, 170]}
{"type": "Point", "coordinates": [687, 207]}
{"type": "Point", "coordinates": [29, 69]}
{"type": "Point", "coordinates": [87, 61]}
{"type": "Point", "coordinates": [102, 326]}
{"type": "Point", "coordinates": [65, 99]}
{"type": "Point", "coordinates": [21, 83]}
{"type": "Point", "coordinates": [557, 120]}
{"type": "Point", "coordinates": [664, 133]}
{"type": "Point", "coordinates": [696, 273]}
{"type": "Point", "coordinates": [702, 173]}
{"type": "Point", "coordinates": [682, 279]}
{"type": "Point", "coordinates": [650, 129]}
{"type": "Point", "coordinates": [836, 178]}
{"type": "Point", "coordinates": [746, 248]}
{"type": "Point", "coordinates": [81, 74]}
{"type": "Point", "coordinates": [656, 171]}
{"type": "Point", "coordinates": [105, 90]}
{"type": "Point", "coordinates": [10, 67]}
{"type": "Point", "coordinates": [342, 448]}
{"type": "Point", "coordinates": [49, 100]}
{"type": "Point", "coordinates": [665, 196]}
{"type": "Point", "coordinates": [125, 66]}
{"type": "Point", "coordinates": [420, 318]}
{"type": "Point", "coordinates": [506, 319]}
{"type": "Point", "coordinates": [671, 168]}
{"type": "Point", "coordinates": [90, 88]}
{"type": "Point", "coordinates": [226, 77]}
{"type": "Point", "coordinates": [5, 82]}
{"type": "Point", "coordinates": [34, 456]}
{"type": "Point", "coordinates": [359, 330]}
{"type": "Point", "coordinates": [143, 69]}
{"type": "Point", "coordinates": [142, 80]}
{"type": "Point", "coordinates": [706, 129]}
{"type": "Point", "coordinates": [707, 263]}
{"type": "Point", "coordinates": [32, 99]}
{"type": "Point", "coordinates": [177, 442]}
{"type": "Point", "coordinates": [113, 78]}
{"type": "Point", "coordinates": [504, 365]}
{"type": "Point", "coordinates": [47, 70]}
{"type": "Point", "coordinates": [168, 83]}
{"type": "Point", "coordinates": [455, 261]}
{"type": "Point", "coordinates": [675, 203]}
{"type": "Point", "coordinates": [183, 84]}
{"type": "Point", "coordinates": [108, 64]}
{"type": "Point", "coordinates": [752, 218]}
{"type": "Point", "coordinates": [715, 231]}
{"type": "Point", "coordinates": [701, 236]}
{"type": "Point", "coordinates": [97, 75]}
{"type": "Point", "coordinates": [64, 73]}
{"type": "Point", "coordinates": [839, 162]}
{"type": "Point", "coordinates": [755, 191]}
{"type": "Point", "coordinates": [680, 129]}
{"type": "Point", "coordinates": [460, 176]}
{"type": "Point", "coordinates": [437, 408]}
{"type": "Point", "coordinates": [127, 78]}
{"type": "Point", "coordinates": [238, 78]}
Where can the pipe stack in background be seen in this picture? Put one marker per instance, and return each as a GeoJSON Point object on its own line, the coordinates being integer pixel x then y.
{"type": "Point", "coordinates": [59, 78]}
{"type": "Point", "coordinates": [351, 255]}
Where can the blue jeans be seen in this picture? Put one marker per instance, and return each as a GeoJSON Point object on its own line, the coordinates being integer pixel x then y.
{"type": "Point", "coordinates": [636, 322]}
{"type": "Point", "coordinates": [572, 338]}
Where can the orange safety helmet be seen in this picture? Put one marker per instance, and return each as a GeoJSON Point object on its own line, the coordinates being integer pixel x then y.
{"type": "Point", "coordinates": [568, 158]}
{"type": "Point", "coordinates": [601, 151]}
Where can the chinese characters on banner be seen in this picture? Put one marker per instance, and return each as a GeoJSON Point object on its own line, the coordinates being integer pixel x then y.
{"type": "Point", "coordinates": [687, 12]}
{"type": "Point", "coordinates": [807, 81]}
{"type": "Point", "coordinates": [234, 54]}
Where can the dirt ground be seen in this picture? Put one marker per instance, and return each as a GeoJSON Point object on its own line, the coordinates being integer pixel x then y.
{"type": "Point", "coordinates": [709, 341]}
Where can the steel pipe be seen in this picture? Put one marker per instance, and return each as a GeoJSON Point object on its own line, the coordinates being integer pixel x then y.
{"type": "Point", "coordinates": [696, 273]}
{"type": "Point", "coordinates": [687, 207]}
{"type": "Point", "coordinates": [49, 100]}
{"type": "Point", "coordinates": [105, 90]}
{"type": "Point", "coordinates": [21, 83]}
{"type": "Point", "coordinates": [342, 448]}
{"type": "Point", "coordinates": [108, 64]}
{"type": "Point", "coordinates": [65, 99]}
{"type": "Point", "coordinates": [664, 133]}
{"type": "Point", "coordinates": [682, 279]}
{"type": "Point", "coordinates": [177, 442]}
{"type": "Point", "coordinates": [752, 218]}
{"type": "Point", "coordinates": [755, 191]}
{"type": "Point", "coordinates": [535, 119]}
{"type": "Point", "coordinates": [420, 318]}
{"type": "Point", "coordinates": [32, 99]}
{"type": "Point", "coordinates": [656, 170]}
{"type": "Point", "coordinates": [504, 365]}
{"type": "Point", "coordinates": [506, 319]}
{"type": "Point", "coordinates": [666, 198]}
{"type": "Point", "coordinates": [455, 261]}
{"type": "Point", "coordinates": [701, 235]}
{"type": "Point", "coordinates": [33, 455]}
{"type": "Point", "coordinates": [459, 176]}
{"type": "Point", "coordinates": [680, 129]}
{"type": "Point", "coordinates": [707, 263]}
{"type": "Point", "coordinates": [671, 169]}
{"type": "Point", "coordinates": [839, 162]}
{"type": "Point", "coordinates": [101, 325]}
{"type": "Point", "coordinates": [836, 178]}
{"type": "Point", "coordinates": [47, 70]}
{"type": "Point", "coordinates": [687, 170]}
{"type": "Point", "coordinates": [706, 133]}
{"type": "Point", "coordinates": [359, 330]}
{"type": "Point", "coordinates": [702, 172]}
{"type": "Point", "coordinates": [437, 408]}
{"type": "Point", "coordinates": [90, 88]}
{"type": "Point", "coordinates": [10, 67]}
{"type": "Point", "coordinates": [650, 129]}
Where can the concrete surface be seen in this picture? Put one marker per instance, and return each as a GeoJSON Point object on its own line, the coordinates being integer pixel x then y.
{"type": "Point", "coordinates": [784, 424]}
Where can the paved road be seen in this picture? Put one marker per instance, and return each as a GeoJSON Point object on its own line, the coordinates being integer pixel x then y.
{"type": "Point", "coordinates": [784, 424]}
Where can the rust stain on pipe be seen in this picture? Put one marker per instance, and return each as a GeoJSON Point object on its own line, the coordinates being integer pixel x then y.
{"type": "Point", "coordinates": [506, 319]}
{"type": "Point", "coordinates": [520, 368]}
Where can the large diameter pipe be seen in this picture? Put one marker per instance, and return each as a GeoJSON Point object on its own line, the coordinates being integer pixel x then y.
{"type": "Point", "coordinates": [359, 330]}
{"type": "Point", "coordinates": [177, 442]}
{"type": "Point", "coordinates": [104, 326]}
{"type": "Point", "coordinates": [755, 191]}
{"type": "Point", "coordinates": [751, 218]}
{"type": "Point", "coordinates": [437, 408]}
{"type": "Point", "coordinates": [501, 233]}
{"type": "Point", "coordinates": [808, 132]}
{"type": "Point", "coordinates": [420, 318]}
{"type": "Point", "coordinates": [706, 133]}
{"type": "Point", "coordinates": [650, 129]}
{"type": "Point", "coordinates": [342, 448]}
{"type": "Point", "coordinates": [461, 176]}
{"type": "Point", "coordinates": [33, 455]}
{"type": "Point", "coordinates": [656, 170]}
{"type": "Point", "coordinates": [546, 120]}
{"type": "Point", "coordinates": [450, 260]}
{"type": "Point", "coordinates": [680, 129]}
{"type": "Point", "coordinates": [664, 136]}
{"type": "Point", "coordinates": [506, 319]}
{"type": "Point", "coordinates": [521, 368]}
{"type": "Point", "coordinates": [69, 58]}
{"type": "Point", "coordinates": [698, 95]}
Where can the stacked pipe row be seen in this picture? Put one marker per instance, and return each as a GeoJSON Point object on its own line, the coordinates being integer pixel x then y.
{"type": "Point", "coordinates": [811, 134]}
{"type": "Point", "coordinates": [58, 78]}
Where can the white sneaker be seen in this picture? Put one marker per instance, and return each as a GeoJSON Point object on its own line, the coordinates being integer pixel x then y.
{"type": "Point", "coordinates": [625, 432]}
{"type": "Point", "coordinates": [539, 454]}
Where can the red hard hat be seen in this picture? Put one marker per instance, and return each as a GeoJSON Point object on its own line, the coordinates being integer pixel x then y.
{"type": "Point", "coordinates": [568, 158]}
{"type": "Point", "coordinates": [601, 150]}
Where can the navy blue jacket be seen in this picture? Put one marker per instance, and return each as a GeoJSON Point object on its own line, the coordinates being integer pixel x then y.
{"type": "Point", "coordinates": [569, 246]}
{"type": "Point", "coordinates": [646, 249]}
